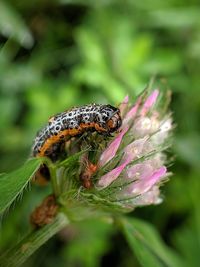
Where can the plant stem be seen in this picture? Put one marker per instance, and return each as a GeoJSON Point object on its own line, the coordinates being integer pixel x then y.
{"type": "Point", "coordinates": [53, 175]}
{"type": "Point", "coordinates": [27, 246]}
{"type": "Point", "coordinates": [52, 169]}
{"type": "Point", "coordinates": [54, 181]}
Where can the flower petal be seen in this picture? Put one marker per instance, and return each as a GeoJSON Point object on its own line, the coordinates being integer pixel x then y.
{"type": "Point", "coordinates": [150, 197]}
{"type": "Point", "coordinates": [131, 113]}
{"type": "Point", "coordinates": [140, 171]}
{"type": "Point", "coordinates": [112, 148]}
{"type": "Point", "coordinates": [144, 125]}
{"type": "Point", "coordinates": [109, 177]}
{"type": "Point", "coordinates": [143, 186]}
{"type": "Point", "coordinates": [163, 133]}
{"type": "Point", "coordinates": [149, 102]}
{"type": "Point", "coordinates": [134, 150]}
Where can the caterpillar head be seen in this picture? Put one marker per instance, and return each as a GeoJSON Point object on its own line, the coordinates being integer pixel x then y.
{"type": "Point", "coordinates": [113, 121]}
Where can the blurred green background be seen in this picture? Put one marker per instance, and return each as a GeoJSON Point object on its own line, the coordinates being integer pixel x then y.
{"type": "Point", "coordinates": [57, 54]}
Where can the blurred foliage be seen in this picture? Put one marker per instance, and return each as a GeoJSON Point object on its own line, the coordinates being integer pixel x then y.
{"type": "Point", "coordinates": [57, 54]}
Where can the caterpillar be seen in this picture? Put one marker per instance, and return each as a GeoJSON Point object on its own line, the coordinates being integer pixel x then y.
{"type": "Point", "coordinates": [104, 119]}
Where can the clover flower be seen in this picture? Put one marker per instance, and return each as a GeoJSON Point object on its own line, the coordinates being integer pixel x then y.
{"type": "Point", "coordinates": [137, 154]}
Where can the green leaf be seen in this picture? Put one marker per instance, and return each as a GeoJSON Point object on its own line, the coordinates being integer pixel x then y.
{"type": "Point", "coordinates": [147, 245]}
{"type": "Point", "coordinates": [11, 25]}
{"type": "Point", "coordinates": [12, 184]}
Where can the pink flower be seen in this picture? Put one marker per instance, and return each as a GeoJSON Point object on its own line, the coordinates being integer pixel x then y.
{"type": "Point", "coordinates": [136, 156]}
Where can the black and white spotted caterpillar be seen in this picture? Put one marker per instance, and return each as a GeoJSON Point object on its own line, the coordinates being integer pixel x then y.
{"type": "Point", "coordinates": [105, 119]}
